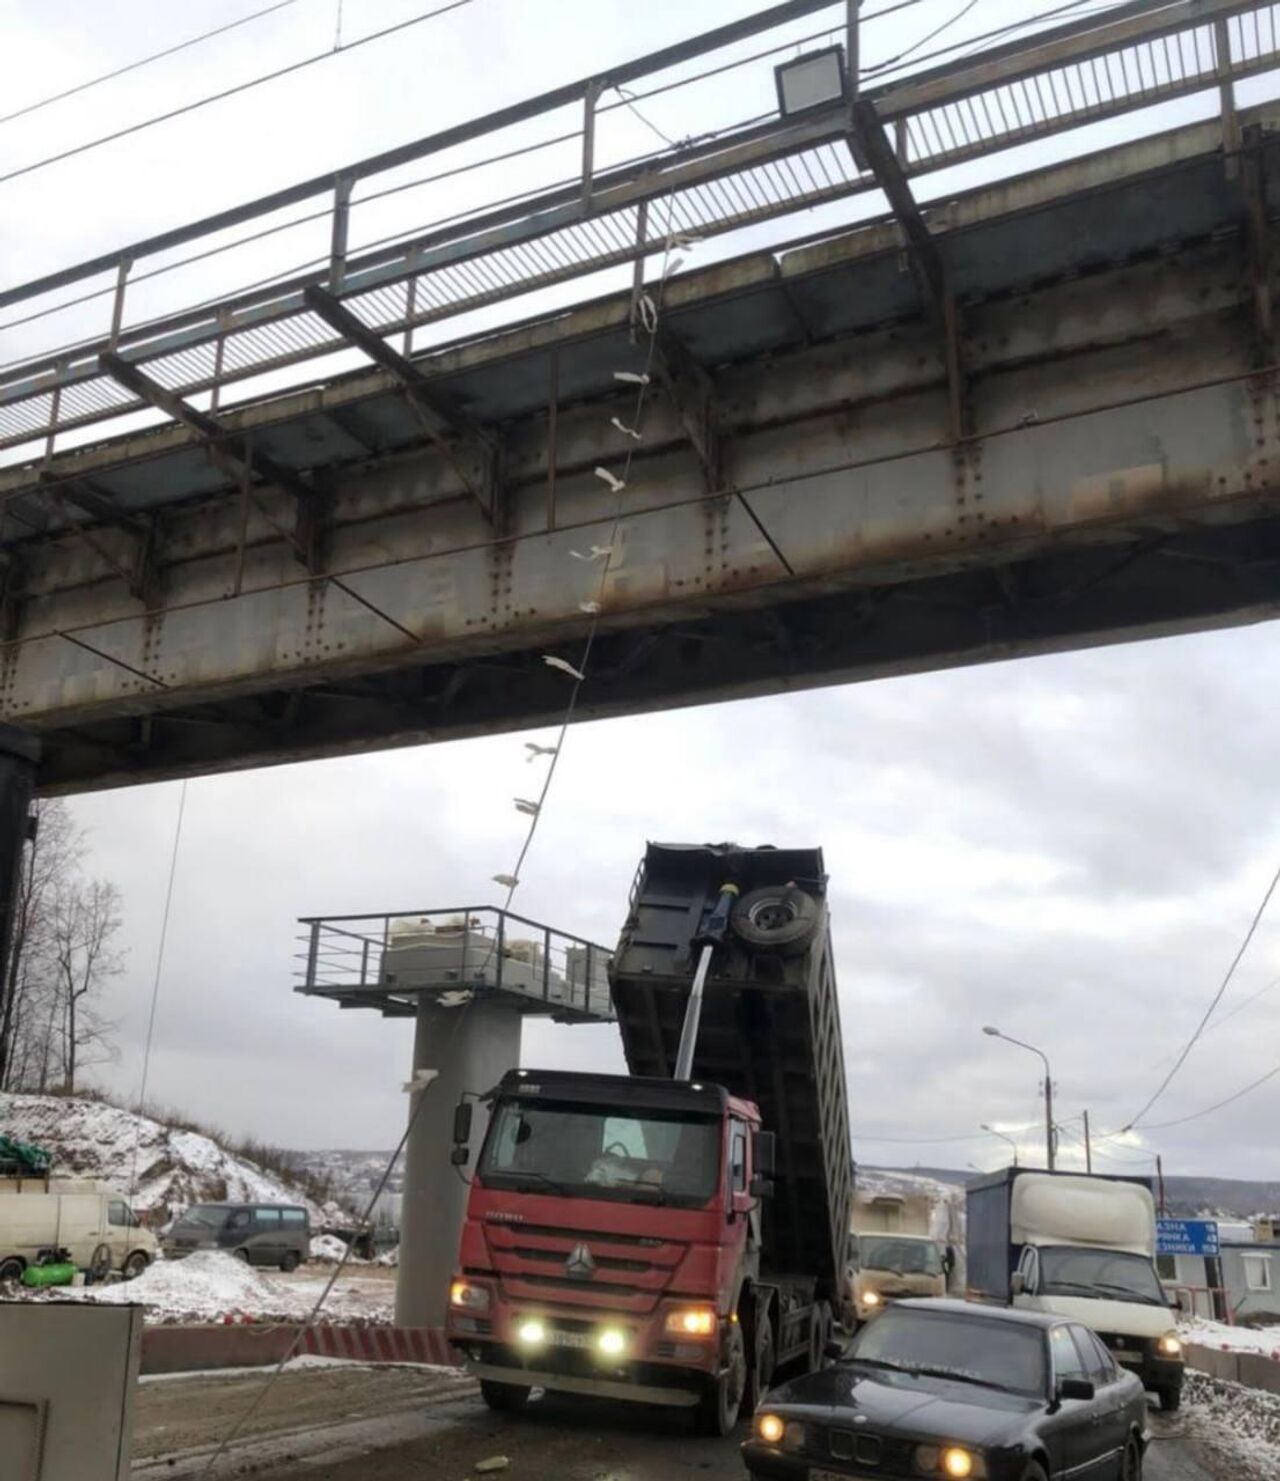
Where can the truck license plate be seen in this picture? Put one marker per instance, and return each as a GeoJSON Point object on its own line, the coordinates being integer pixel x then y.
{"type": "Point", "coordinates": [568, 1339]}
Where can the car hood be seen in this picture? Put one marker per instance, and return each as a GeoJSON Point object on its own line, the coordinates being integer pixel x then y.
{"type": "Point", "coordinates": [913, 1408]}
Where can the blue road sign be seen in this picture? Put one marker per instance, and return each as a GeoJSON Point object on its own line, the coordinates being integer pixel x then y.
{"type": "Point", "coordinates": [1186, 1237]}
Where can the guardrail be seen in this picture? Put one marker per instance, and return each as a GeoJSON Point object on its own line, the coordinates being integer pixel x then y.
{"type": "Point", "coordinates": [390, 961]}
{"type": "Point", "coordinates": [740, 172]}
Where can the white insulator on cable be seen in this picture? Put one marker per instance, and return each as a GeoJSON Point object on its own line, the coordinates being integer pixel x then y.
{"type": "Point", "coordinates": [615, 483]}
{"type": "Point", "coordinates": [675, 263]}
{"type": "Point", "coordinates": [624, 429]}
{"type": "Point", "coordinates": [563, 664]}
{"type": "Point", "coordinates": [530, 809]}
{"type": "Point", "coordinates": [509, 881]}
{"type": "Point", "coordinates": [648, 313]}
{"type": "Point", "coordinates": [632, 377]}
{"type": "Point", "coordinates": [536, 750]}
{"type": "Point", "coordinates": [591, 608]}
{"type": "Point", "coordinates": [683, 239]}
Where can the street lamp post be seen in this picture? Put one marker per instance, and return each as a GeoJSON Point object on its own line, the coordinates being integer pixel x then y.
{"type": "Point", "coordinates": [995, 1033]}
{"type": "Point", "coordinates": [991, 1131]}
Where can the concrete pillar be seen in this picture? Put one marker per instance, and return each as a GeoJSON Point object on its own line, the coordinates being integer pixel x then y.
{"type": "Point", "coordinates": [472, 1048]}
{"type": "Point", "coordinates": [19, 753]}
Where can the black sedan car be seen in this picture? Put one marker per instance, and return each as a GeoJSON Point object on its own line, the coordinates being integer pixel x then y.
{"type": "Point", "coordinates": [952, 1389]}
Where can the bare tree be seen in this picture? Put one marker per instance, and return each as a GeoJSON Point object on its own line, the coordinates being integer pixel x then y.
{"type": "Point", "coordinates": [50, 857]}
{"type": "Point", "coordinates": [86, 918]}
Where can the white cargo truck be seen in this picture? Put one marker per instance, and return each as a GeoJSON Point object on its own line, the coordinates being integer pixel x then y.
{"type": "Point", "coordinates": [893, 1253]}
{"type": "Point", "coordinates": [90, 1220]}
{"type": "Point", "coordinates": [1082, 1247]}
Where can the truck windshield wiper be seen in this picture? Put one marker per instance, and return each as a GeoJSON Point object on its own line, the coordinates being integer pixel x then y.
{"type": "Point", "coordinates": [528, 1172]}
{"type": "Point", "coordinates": [1131, 1295]}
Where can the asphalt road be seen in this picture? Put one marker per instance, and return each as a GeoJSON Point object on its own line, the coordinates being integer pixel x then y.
{"type": "Point", "coordinates": [445, 1433]}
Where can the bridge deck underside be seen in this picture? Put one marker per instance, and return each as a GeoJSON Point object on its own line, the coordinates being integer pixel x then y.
{"type": "Point", "coordinates": [800, 511]}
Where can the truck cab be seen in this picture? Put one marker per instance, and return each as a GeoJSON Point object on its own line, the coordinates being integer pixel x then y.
{"type": "Point", "coordinates": [893, 1254]}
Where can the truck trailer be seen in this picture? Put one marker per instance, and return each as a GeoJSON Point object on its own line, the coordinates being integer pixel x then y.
{"type": "Point", "coordinates": [1084, 1247]}
{"type": "Point", "coordinates": [675, 1235]}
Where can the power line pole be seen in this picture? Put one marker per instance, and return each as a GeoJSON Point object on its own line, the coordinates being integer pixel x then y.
{"type": "Point", "coordinates": [1048, 1115]}
{"type": "Point", "coordinates": [1088, 1148]}
{"type": "Point", "coordinates": [1160, 1181]}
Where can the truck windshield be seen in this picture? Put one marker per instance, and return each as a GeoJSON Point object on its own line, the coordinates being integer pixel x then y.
{"type": "Point", "coordinates": [968, 1349]}
{"type": "Point", "coordinates": [901, 1256]}
{"type": "Point", "coordinates": [597, 1152]}
{"type": "Point", "coordinates": [1108, 1274]}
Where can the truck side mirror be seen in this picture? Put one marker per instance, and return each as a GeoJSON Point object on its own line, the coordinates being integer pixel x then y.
{"type": "Point", "coordinates": [460, 1156]}
{"type": "Point", "coordinates": [765, 1153]}
{"type": "Point", "coordinates": [462, 1123]}
{"type": "Point", "coordinates": [1018, 1283]}
{"type": "Point", "coordinates": [760, 1187]}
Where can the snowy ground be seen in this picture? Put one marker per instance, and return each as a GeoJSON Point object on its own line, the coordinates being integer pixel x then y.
{"type": "Point", "coordinates": [210, 1286]}
{"type": "Point", "coordinates": [162, 1168]}
{"type": "Point", "coordinates": [1237, 1425]}
{"type": "Point", "coordinates": [1222, 1338]}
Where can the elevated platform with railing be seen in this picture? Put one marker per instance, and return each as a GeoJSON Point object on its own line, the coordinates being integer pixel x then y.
{"type": "Point", "coordinates": [390, 962]}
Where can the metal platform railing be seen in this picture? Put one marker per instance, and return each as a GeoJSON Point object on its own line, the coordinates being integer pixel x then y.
{"type": "Point", "coordinates": [745, 173]}
{"type": "Point", "coordinates": [390, 961]}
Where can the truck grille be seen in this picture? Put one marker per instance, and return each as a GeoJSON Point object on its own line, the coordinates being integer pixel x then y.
{"type": "Point", "coordinates": [629, 1273]}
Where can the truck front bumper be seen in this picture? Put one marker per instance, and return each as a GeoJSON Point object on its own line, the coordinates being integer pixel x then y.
{"type": "Point", "coordinates": [601, 1388]}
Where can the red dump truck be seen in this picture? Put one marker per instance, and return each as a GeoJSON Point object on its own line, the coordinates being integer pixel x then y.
{"type": "Point", "coordinates": [676, 1235]}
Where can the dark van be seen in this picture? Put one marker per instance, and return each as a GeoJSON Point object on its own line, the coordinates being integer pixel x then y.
{"type": "Point", "coordinates": [257, 1233]}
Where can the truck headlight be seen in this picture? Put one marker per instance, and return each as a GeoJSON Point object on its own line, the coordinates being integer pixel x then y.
{"type": "Point", "coordinates": [468, 1297]}
{"type": "Point", "coordinates": [1170, 1346]}
{"type": "Point", "coordinates": [531, 1333]}
{"type": "Point", "coordinates": [871, 1298]}
{"type": "Point", "coordinates": [690, 1321]}
{"type": "Point", "coordinates": [612, 1342]}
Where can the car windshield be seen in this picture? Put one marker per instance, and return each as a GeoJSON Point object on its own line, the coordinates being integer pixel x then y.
{"type": "Point", "coordinates": [204, 1216]}
{"type": "Point", "coordinates": [902, 1256]}
{"type": "Point", "coordinates": [594, 1152]}
{"type": "Point", "coordinates": [1103, 1273]}
{"type": "Point", "coordinates": [973, 1349]}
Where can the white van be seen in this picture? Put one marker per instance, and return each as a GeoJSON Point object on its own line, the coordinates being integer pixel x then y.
{"type": "Point", "coordinates": [88, 1219]}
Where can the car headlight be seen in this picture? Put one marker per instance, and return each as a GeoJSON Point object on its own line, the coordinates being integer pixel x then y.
{"type": "Point", "coordinates": [770, 1428]}
{"type": "Point", "coordinates": [468, 1297]}
{"type": "Point", "coordinates": [950, 1460]}
{"type": "Point", "coordinates": [957, 1462]}
{"type": "Point", "coordinates": [1170, 1346]}
{"type": "Point", "coordinates": [691, 1321]}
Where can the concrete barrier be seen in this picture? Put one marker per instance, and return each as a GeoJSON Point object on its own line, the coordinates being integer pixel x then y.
{"type": "Point", "coordinates": [196, 1348]}
{"type": "Point", "coordinates": [1253, 1369]}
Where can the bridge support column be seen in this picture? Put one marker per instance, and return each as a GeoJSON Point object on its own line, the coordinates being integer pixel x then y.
{"type": "Point", "coordinates": [19, 753]}
{"type": "Point", "coordinates": [471, 1047]}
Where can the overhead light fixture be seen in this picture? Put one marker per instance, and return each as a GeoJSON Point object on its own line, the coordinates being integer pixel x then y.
{"type": "Point", "coordinates": [814, 80]}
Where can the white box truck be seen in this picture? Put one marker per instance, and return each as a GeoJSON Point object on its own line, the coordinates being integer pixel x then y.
{"type": "Point", "coordinates": [893, 1253]}
{"type": "Point", "coordinates": [1082, 1247]}
{"type": "Point", "coordinates": [90, 1220]}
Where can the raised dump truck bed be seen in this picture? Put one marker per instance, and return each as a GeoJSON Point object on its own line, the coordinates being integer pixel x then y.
{"type": "Point", "coordinates": [770, 1028]}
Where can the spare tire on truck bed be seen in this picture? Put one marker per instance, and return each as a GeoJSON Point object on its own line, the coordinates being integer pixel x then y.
{"type": "Point", "coordinates": [779, 918]}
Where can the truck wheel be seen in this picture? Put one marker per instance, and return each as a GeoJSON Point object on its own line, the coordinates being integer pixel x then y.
{"type": "Point", "coordinates": [1170, 1397]}
{"type": "Point", "coordinates": [762, 1360]}
{"type": "Point", "coordinates": [819, 1336]}
{"type": "Point", "coordinates": [777, 918]}
{"type": "Point", "coordinates": [136, 1264]}
{"type": "Point", "coordinates": [11, 1271]}
{"type": "Point", "coordinates": [721, 1400]}
{"type": "Point", "coordinates": [503, 1396]}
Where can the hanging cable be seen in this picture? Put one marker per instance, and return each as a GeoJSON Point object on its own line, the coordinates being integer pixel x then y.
{"type": "Point", "coordinates": [155, 56]}
{"type": "Point", "coordinates": [1216, 999]}
{"type": "Point", "coordinates": [1216, 1106]}
{"type": "Point", "coordinates": [230, 92]}
{"type": "Point", "coordinates": [155, 987]}
{"type": "Point", "coordinates": [923, 41]}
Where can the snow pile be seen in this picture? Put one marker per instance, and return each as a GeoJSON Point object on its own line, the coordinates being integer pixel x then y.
{"type": "Point", "coordinates": [174, 1168]}
{"type": "Point", "coordinates": [1218, 1335]}
{"type": "Point", "coordinates": [212, 1286]}
{"type": "Point", "coordinates": [1241, 1425]}
{"type": "Point", "coordinates": [328, 1247]}
{"type": "Point", "coordinates": [391, 1257]}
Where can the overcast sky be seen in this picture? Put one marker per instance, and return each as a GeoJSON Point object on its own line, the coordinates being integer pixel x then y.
{"type": "Point", "coordinates": [1069, 847]}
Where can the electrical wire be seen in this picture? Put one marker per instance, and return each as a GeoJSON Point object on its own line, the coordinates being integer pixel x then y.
{"type": "Point", "coordinates": [230, 92]}
{"type": "Point", "coordinates": [155, 986]}
{"type": "Point", "coordinates": [1208, 1012]}
{"type": "Point", "coordinates": [923, 41]}
{"type": "Point", "coordinates": [134, 66]}
{"type": "Point", "coordinates": [1216, 1106]}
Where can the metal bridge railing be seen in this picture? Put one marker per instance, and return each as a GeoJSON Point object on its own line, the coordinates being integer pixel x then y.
{"type": "Point", "coordinates": [765, 169]}
{"type": "Point", "coordinates": [381, 960]}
